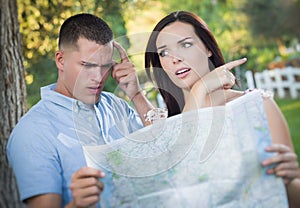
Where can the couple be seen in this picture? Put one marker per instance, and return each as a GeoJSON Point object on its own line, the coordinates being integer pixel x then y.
{"type": "Point", "coordinates": [190, 73]}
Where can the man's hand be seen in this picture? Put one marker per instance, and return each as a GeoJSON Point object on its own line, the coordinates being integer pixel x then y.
{"type": "Point", "coordinates": [86, 187]}
{"type": "Point", "coordinates": [125, 73]}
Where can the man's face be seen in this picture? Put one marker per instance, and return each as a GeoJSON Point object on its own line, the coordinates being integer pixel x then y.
{"type": "Point", "coordinates": [84, 71]}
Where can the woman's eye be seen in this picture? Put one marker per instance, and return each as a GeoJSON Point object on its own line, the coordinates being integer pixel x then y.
{"type": "Point", "coordinates": [163, 53]}
{"type": "Point", "coordinates": [187, 44]}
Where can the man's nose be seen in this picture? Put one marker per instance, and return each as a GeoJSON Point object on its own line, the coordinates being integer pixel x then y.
{"type": "Point", "coordinates": [98, 74]}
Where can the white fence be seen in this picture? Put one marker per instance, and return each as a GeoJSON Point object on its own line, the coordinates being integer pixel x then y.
{"type": "Point", "coordinates": [280, 81]}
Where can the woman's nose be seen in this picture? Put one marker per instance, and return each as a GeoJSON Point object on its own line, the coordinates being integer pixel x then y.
{"type": "Point", "coordinates": [176, 59]}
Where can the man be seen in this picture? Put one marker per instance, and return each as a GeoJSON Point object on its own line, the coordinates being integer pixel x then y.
{"type": "Point", "coordinates": [45, 148]}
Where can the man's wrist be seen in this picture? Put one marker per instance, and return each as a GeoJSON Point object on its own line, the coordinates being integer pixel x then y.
{"type": "Point", "coordinates": [70, 205]}
{"type": "Point", "coordinates": [139, 92]}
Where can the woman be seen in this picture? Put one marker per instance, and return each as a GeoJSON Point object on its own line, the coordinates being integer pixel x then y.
{"type": "Point", "coordinates": [190, 73]}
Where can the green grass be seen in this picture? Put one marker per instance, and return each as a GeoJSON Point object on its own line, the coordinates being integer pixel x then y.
{"type": "Point", "coordinates": [291, 110]}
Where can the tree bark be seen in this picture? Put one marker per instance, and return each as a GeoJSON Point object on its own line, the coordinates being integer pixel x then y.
{"type": "Point", "coordinates": [12, 95]}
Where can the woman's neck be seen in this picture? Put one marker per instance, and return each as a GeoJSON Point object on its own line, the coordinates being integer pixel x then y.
{"type": "Point", "coordinates": [217, 97]}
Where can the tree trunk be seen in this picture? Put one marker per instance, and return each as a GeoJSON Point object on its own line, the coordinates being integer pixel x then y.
{"type": "Point", "coordinates": [12, 95]}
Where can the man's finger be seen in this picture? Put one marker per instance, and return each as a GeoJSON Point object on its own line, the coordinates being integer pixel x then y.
{"type": "Point", "coordinates": [88, 172]}
{"type": "Point", "coordinates": [122, 52]}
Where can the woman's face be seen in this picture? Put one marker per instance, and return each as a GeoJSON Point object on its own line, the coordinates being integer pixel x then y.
{"type": "Point", "coordinates": [182, 54]}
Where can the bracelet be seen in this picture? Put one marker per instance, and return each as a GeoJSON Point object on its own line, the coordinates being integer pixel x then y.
{"type": "Point", "coordinates": [136, 94]}
{"type": "Point", "coordinates": [156, 114]}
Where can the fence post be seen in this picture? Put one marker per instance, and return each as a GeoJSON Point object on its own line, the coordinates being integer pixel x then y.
{"type": "Point", "coordinates": [278, 83]}
{"type": "Point", "coordinates": [250, 79]}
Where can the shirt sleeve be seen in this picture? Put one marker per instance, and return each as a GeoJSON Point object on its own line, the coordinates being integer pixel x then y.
{"type": "Point", "coordinates": [34, 160]}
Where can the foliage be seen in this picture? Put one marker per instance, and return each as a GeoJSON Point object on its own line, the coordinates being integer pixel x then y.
{"type": "Point", "coordinates": [274, 26]}
{"type": "Point", "coordinates": [274, 20]}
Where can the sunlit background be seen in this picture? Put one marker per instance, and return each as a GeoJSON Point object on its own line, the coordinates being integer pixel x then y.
{"type": "Point", "coordinates": [266, 32]}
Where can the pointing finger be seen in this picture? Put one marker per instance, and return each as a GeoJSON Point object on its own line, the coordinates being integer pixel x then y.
{"type": "Point", "coordinates": [232, 64]}
{"type": "Point", "coordinates": [122, 52]}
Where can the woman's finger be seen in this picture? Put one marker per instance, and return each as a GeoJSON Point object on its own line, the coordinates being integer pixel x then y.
{"type": "Point", "coordinates": [232, 64]}
{"type": "Point", "coordinates": [280, 148]}
{"type": "Point", "coordinates": [293, 165]}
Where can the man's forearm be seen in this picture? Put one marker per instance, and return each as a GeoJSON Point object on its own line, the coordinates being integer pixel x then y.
{"type": "Point", "coordinates": [142, 106]}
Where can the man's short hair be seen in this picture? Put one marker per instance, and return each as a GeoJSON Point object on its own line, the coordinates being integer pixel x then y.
{"type": "Point", "coordinates": [86, 26]}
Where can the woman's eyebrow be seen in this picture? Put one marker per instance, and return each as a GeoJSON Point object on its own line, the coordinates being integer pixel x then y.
{"type": "Point", "coordinates": [96, 65]}
{"type": "Point", "coordinates": [163, 46]}
{"type": "Point", "coordinates": [184, 39]}
{"type": "Point", "coordinates": [178, 42]}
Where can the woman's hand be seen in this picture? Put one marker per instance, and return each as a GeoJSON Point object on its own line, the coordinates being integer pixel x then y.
{"type": "Point", "coordinates": [220, 77]}
{"type": "Point", "coordinates": [287, 163]}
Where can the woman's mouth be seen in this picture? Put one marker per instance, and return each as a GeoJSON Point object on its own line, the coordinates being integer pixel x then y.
{"type": "Point", "coordinates": [183, 72]}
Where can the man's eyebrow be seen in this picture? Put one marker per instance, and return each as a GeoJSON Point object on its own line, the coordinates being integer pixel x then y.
{"type": "Point", "coordinates": [94, 64]}
{"type": "Point", "coordinates": [107, 65]}
{"type": "Point", "coordinates": [178, 42]}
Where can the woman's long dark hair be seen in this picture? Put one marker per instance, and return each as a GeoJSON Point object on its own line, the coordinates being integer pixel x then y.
{"type": "Point", "coordinates": [173, 95]}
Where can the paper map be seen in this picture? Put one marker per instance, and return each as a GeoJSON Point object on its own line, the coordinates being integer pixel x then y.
{"type": "Point", "coordinates": [205, 158]}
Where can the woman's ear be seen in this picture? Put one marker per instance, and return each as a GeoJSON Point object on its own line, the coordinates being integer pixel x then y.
{"type": "Point", "coordinates": [209, 53]}
{"type": "Point", "coordinates": [59, 60]}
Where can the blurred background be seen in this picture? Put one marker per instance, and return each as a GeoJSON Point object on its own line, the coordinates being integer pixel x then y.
{"type": "Point", "coordinates": [266, 32]}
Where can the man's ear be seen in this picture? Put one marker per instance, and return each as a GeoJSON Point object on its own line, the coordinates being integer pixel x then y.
{"type": "Point", "coordinates": [59, 60]}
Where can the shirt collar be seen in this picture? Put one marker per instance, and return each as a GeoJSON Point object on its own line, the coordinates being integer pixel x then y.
{"type": "Point", "coordinates": [48, 93]}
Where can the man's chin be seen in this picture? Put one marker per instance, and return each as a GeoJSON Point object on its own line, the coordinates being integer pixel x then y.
{"type": "Point", "coordinates": [90, 100]}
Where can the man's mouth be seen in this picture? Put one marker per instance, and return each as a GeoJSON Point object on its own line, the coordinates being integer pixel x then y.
{"type": "Point", "coordinates": [95, 89]}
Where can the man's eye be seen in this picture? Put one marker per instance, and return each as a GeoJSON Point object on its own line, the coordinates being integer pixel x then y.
{"type": "Point", "coordinates": [163, 53]}
{"type": "Point", "coordinates": [87, 66]}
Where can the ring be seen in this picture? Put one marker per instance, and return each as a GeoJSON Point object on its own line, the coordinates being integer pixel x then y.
{"type": "Point", "coordinates": [225, 69]}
